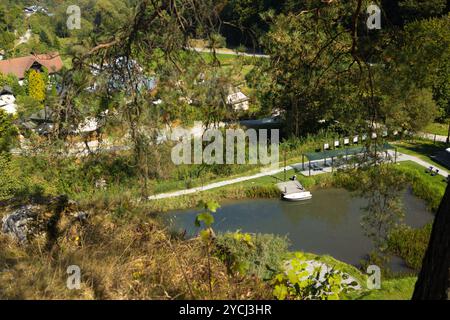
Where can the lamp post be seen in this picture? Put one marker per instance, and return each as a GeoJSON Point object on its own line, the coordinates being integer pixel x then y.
{"type": "Point", "coordinates": [309, 168]}
{"type": "Point", "coordinates": [448, 134]}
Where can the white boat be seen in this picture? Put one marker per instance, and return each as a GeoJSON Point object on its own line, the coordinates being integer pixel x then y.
{"type": "Point", "coordinates": [298, 196]}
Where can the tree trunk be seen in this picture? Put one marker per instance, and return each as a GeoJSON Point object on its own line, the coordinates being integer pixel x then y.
{"type": "Point", "coordinates": [434, 278]}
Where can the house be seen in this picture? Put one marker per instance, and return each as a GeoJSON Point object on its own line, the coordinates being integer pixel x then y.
{"type": "Point", "coordinates": [238, 100]}
{"type": "Point", "coordinates": [7, 100]}
{"type": "Point", "coordinates": [19, 66]}
{"type": "Point", "coordinates": [29, 11]}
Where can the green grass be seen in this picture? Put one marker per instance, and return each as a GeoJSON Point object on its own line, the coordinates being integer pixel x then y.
{"type": "Point", "coordinates": [438, 180]}
{"type": "Point", "coordinates": [422, 149]}
{"type": "Point", "coordinates": [224, 59]}
{"type": "Point", "coordinates": [394, 289]}
{"type": "Point", "coordinates": [227, 60]}
{"type": "Point", "coordinates": [437, 128]}
{"type": "Point", "coordinates": [424, 186]}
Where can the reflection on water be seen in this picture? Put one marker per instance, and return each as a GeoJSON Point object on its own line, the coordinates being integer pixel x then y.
{"type": "Point", "coordinates": [330, 223]}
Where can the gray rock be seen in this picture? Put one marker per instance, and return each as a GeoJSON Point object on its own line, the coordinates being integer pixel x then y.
{"type": "Point", "coordinates": [80, 215]}
{"type": "Point", "coordinates": [17, 224]}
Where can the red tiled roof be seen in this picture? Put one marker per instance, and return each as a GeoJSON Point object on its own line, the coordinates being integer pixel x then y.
{"type": "Point", "coordinates": [19, 66]}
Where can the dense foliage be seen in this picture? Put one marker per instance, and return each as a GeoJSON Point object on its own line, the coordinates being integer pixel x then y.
{"type": "Point", "coordinates": [132, 67]}
{"type": "Point", "coordinates": [260, 255]}
{"type": "Point", "coordinates": [8, 132]}
{"type": "Point", "coordinates": [410, 244]}
{"type": "Point", "coordinates": [297, 282]}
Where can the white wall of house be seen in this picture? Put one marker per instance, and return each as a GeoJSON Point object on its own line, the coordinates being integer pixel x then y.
{"type": "Point", "coordinates": [239, 101]}
{"type": "Point", "coordinates": [8, 103]}
{"type": "Point", "coordinates": [242, 106]}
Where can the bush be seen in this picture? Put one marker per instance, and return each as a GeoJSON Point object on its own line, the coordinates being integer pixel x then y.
{"type": "Point", "coordinates": [10, 180]}
{"type": "Point", "coordinates": [36, 85]}
{"type": "Point", "coordinates": [299, 282]}
{"type": "Point", "coordinates": [423, 188]}
{"type": "Point", "coordinates": [260, 255]}
{"type": "Point", "coordinates": [217, 41]}
{"type": "Point", "coordinates": [410, 244]}
{"type": "Point", "coordinates": [8, 131]}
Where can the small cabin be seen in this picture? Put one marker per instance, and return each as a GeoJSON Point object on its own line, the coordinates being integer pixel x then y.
{"type": "Point", "coordinates": [238, 101]}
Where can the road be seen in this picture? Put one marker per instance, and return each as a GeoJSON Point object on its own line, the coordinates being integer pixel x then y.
{"type": "Point", "coordinates": [400, 158]}
{"type": "Point", "coordinates": [231, 52]}
{"type": "Point", "coordinates": [25, 38]}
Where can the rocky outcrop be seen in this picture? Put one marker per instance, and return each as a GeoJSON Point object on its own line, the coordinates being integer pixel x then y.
{"type": "Point", "coordinates": [19, 223]}
{"type": "Point", "coordinates": [51, 219]}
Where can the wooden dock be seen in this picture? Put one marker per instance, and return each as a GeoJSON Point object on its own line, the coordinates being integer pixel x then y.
{"type": "Point", "coordinates": [290, 187]}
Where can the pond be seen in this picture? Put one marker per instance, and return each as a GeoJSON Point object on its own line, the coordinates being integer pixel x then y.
{"type": "Point", "coordinates": [330, 223]}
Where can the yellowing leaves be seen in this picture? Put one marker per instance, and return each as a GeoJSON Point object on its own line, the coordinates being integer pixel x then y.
{"type": "Point", "coordinates": [36, 85]}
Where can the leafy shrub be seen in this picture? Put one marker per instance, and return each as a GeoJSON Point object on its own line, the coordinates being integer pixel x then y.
{"type": "Point", "coordinates": [10, 180]}
{"type": "Point", "coordinates": [297, 282]}
{"type": "Point", "coordinates": [423, 188]}
{"type": "Point", "coordinates": [217, 41]}
{"type": "Point", "coordinates": [260, 255]}
{"type": "Point", "coordinates": [36, 85]}
{"type": "Point", "coordinates": [8, 131]}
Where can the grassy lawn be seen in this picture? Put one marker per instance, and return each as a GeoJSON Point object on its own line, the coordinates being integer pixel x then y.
{"type": "Point", "coordinates": [395, 289]}
{"type": "Point", "coordinates": [169, 186]}
{"type": "Point", "coordinates": [227, 60]}
{"type": "Point", "coordinates": [437, 128]}
{"type": "Point", "coordinates": [224, 59]}
{"type": "Point", "coordinates": [436, 180]}
{"type": "Point", "coordinates": [422, 149]}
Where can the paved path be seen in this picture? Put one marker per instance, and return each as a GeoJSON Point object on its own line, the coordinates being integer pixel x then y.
{"type": "Point", "coordinates": [405, 157]}
{"type": "Point", "coordinates": [400, 158]}
{"type": "Point", "coordinates": [217, 184]}
{"type": "Point", "coordinates": [25, 38]}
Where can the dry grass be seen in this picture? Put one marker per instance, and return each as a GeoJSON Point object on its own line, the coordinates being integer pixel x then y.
{"type": "Point", "coordinates": [125, 259]}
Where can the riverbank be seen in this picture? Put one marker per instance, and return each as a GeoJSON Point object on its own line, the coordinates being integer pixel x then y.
{"type": "Point", "coordinates": [424, 186]}
{"type": "Point", "coordinates": [328, 224]}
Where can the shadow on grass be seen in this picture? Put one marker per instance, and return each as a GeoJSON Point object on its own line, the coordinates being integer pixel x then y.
{"type": "Point", "coordinates": [425, 148]}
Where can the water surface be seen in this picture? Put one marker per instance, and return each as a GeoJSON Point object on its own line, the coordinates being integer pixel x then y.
{"type": "Point", "coordinates": [330, 223]}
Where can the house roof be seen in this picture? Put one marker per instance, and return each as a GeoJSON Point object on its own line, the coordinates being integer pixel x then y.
{"type": "Point", "coordinates": [19, 66]}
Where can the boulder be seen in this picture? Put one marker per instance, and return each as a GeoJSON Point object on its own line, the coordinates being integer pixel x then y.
{"type": "Point", "coordinates": [18, 224]}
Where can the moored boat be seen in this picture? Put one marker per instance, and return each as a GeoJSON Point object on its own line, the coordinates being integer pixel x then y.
{"type": "Point", "coordinates": [298, 196]}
